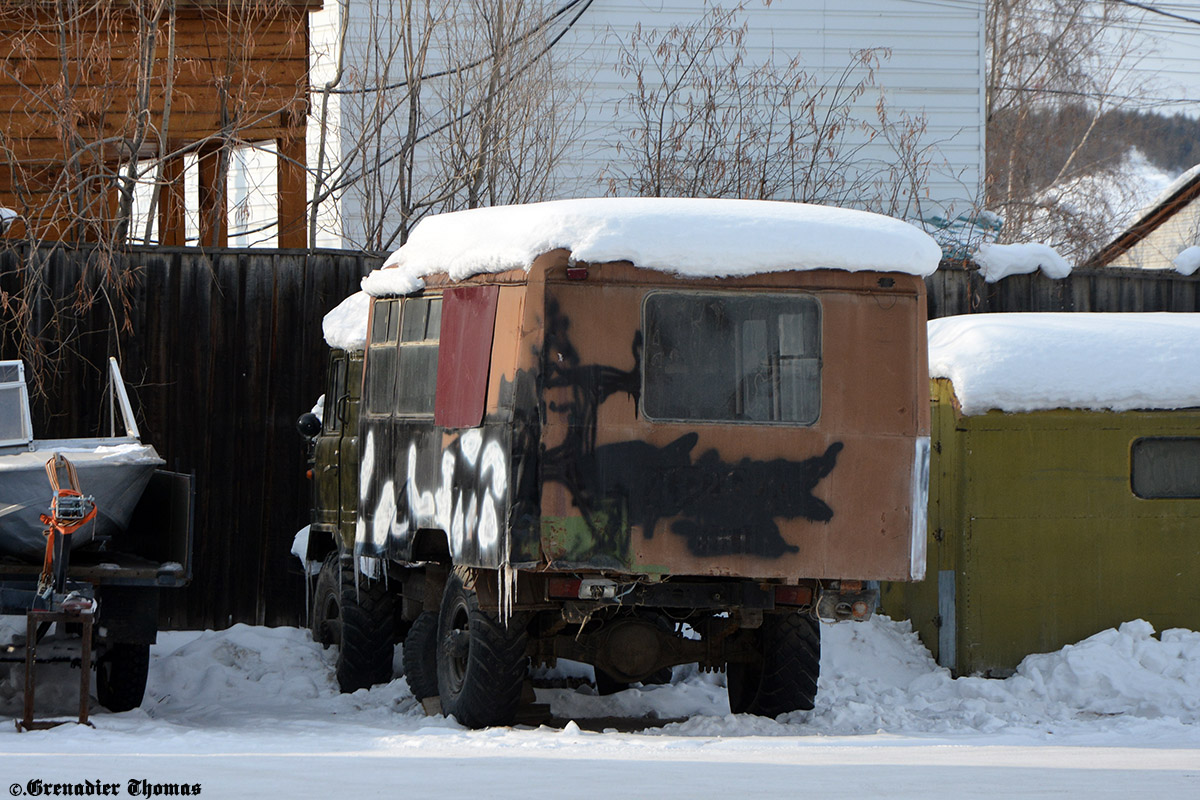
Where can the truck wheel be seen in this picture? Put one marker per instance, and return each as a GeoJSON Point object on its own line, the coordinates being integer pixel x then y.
{"type": "Point", "coordinates": [368, 631]}
{"type": "Point", "coordinates": [420, 656]}
{"type": "Point", "coordinates": [327, 603]}
{"type": "Point", "coordinates": [481, 663]}
{"type": "Point", "coordinates": [783, 676]}
{"type": "Point", "coordinates": [121, 676]}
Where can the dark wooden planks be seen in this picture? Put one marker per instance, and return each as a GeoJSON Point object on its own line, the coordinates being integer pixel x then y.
{"type": "Point", "coordinates": [226, 351]}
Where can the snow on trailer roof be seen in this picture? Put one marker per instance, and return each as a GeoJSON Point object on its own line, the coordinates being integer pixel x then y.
{"type": "Point", "coordinates": [1039, 361]}
{"type": "Point", "coordinates": [691, 237]}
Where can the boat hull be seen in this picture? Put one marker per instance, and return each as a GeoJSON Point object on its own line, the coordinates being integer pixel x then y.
{"type": "Point", "coordinates": [114, 472]}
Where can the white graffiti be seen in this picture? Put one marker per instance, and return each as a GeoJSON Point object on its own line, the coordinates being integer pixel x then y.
{"type": "Point", "coordinates": [385, 516]}
{"type": "Point", "coordinates": [420, 504]}
{"type": "Point", "coordinates": [468, 445]}
{"type": "Point", "coordinates": [367, 468]}
{"type": "Point", "coordinates": [468, 502]}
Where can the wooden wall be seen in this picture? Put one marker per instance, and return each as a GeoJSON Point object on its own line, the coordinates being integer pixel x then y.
{"type": "Point", "coordinates": [70, 97]}
{"type": "Point", "coordinates": [225, 351]}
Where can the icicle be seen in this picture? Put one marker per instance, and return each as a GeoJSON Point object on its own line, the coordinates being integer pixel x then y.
{"type": "Point", "coordinates": [508, 581]}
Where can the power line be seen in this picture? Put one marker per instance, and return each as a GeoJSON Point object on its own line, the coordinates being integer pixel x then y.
{"type": "Point", "coordinates": [543, 25]}
{"type": "Point", "coordinates": [1156, 10]}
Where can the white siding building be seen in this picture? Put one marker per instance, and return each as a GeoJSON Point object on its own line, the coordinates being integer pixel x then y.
{"type": "Point", "coordinates": [931, 68]}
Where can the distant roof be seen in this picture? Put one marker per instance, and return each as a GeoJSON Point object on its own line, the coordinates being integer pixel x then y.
{"type": "Point", "coordinates": [683, 236]}
{"type": "Point", "coordinates": [1040, 361]}
{"type": "Point", "coordinates": [1182, 191]}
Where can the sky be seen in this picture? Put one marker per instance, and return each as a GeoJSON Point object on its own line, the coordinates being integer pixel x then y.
{"type": "Point", "coordinates": [1172, 56]}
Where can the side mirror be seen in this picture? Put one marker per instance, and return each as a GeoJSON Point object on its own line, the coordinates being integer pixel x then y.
{"type": "Point", "coordinates": [309, 425]}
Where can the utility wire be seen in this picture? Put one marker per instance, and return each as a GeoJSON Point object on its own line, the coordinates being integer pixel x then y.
{"type": "Point", "coordinates": [546, 23]}
{"type": "Point", "coordinates": [1156, 10]}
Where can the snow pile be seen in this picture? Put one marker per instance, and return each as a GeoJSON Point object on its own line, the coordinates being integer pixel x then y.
{"type": "Point", "coordinates": [1123, 671]}
{"type": "Point", "coordinates": [345, 327]}
{"type": "Point", "coordinates": [875, 676]}
{"type": "Point", "coordinates": [270, 692]}
{"type": "Point", "coordinates": [683, 236]}
{"type": "Point", "coordinates": [1037, 361]}
{"type": "Point", "coordinates": [1188, 260]}
{"type": "Point", "coordinates": [998, 261]}
{"type": "Point", "coordinates": [7, 215]}
{"type": "Point", "coordinates": [268, 673]}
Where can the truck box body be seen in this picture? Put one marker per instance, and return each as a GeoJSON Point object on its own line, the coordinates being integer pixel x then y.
{"type": "Point", "coordinates": [764, 427]}
{"type": "Point", "coordinates": [631, 432]}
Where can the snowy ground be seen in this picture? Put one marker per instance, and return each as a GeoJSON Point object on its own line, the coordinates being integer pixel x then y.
{"type": "Point", "coordinates": [254, 712]}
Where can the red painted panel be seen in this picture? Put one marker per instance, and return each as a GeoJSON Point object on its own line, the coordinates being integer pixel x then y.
{"type": "Point", "coordinates": [464, 354]}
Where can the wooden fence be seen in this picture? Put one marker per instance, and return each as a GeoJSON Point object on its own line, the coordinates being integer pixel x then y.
{"type": "Point", "coordinates": [955, 289]}
{"type": "Point", "coordinates": [224, 351]}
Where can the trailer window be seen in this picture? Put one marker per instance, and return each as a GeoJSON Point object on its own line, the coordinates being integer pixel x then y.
{"type": "Point", "coordinates": [381, 357]}
{"type": "Point", "coordinates": [1165, 468]}
{"type": "Point", "coordinates": [417, 366]}
{"type": "Point", "coordinates": [732, 358]}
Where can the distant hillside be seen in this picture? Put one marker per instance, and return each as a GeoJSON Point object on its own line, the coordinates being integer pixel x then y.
{"type": "Point", "coordinates": [1171, 143]}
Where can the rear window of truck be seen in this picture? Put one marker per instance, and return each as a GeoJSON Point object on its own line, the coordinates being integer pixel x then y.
{"type": "Point", "coordinates": [724, 357]}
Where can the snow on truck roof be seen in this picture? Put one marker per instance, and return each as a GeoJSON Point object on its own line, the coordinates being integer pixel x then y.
{"type": "Point", "coordinates": [691, 237]}
{"type": "Point", "coordinates": [1040, 361]}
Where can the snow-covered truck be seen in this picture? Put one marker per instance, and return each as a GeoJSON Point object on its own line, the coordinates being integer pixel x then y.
{"type": "Point", "coordinates": [634, 433]}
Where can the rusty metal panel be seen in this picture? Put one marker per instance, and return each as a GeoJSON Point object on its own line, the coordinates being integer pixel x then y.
{"type": "Point", "coordinates": [468, 321]}
{"type": "Point", "coordinates": [726, 497]}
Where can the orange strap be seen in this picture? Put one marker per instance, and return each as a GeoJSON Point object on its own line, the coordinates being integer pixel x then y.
{"type": "Point", "coordinates": [54, 525]}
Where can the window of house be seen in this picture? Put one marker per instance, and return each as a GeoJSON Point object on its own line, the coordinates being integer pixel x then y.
{"type": "Point", "coordinates": [1166, 467]}
{"type": "Point", "coordinates": [732, 357]}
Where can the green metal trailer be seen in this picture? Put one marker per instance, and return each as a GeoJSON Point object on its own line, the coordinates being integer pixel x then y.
{"type": "Point", "coordinates": [1047, 526]}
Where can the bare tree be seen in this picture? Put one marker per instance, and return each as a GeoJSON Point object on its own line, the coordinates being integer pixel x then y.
{"type": "Point", "coordinates": [701, 120]}
{"type": "Point", "coordinates": [1054, 68]}
{"type": "Point", "coordinates": [440, 106]}
{"type": "Point", "coordinates": [102, 97]}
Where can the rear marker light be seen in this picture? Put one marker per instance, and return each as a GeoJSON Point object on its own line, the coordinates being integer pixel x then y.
{"type": "Point", "coordinates": [564, 587]}
{"type": "Point", "coordinates": [793, 596]}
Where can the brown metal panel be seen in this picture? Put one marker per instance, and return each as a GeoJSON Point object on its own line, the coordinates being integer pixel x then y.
{"type": "Point", "coordinates": [468, 321]}
{"type": "Point", "coordinates": [833, 499]}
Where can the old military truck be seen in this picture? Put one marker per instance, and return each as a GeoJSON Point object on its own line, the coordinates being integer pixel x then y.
{"type": "Point", "coordinates": [579, 436]}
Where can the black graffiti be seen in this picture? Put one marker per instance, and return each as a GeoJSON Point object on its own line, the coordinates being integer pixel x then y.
{"type": "Point", "coordinates": [719, 508]}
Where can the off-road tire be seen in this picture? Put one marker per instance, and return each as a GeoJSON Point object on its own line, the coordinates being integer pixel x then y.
{"type": "Point", "coordinates": [368, 632]}
{"type": "Point", "coordinates": [327, 603]}
{"type": "Point", "coordinates": [481, 662]}
{"type": "Point", "coordinates": [783, 675]}
{"type": "Point", "coordinates": [420, 655]}
{"type": "Point", "coordinates": [121, 676]}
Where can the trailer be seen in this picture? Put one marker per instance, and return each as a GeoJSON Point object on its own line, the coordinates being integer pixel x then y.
{"type": "Point", "coordinates": [91, 530]}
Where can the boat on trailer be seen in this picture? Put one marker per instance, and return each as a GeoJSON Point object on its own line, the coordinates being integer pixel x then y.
{"type": "Point", "coordinates": [114, 469]}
